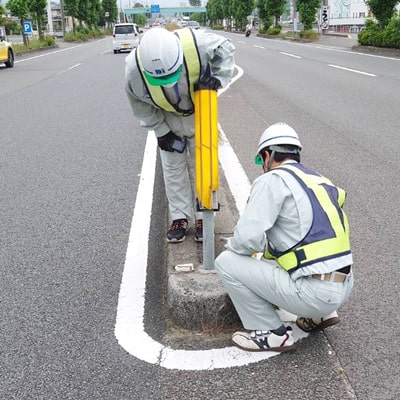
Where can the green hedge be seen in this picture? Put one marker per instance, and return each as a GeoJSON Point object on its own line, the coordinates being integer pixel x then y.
{"type": "Point", "coordinates": [373, 35]}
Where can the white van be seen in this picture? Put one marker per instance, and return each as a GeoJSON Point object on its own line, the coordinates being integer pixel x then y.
{"type": "Point", "coordinates": [125, 37]}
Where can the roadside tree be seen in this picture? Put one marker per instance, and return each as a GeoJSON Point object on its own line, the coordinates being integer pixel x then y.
{"type": "Point", "coordinates": [19, 9]}
{"type": "Point", "coordinates": [275, 9]}
{"type": "Point", "coordinates": [308, 10]}
{"type": "Point", "coordinates": [109, 10]}
{"type": "Point", "coordinates": [383, 10]}
{"type": "Point", "coordinates": [38, 13]}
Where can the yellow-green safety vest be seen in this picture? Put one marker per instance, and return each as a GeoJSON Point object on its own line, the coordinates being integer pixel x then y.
{"type": "Point", "coordinates": [328, 236]}
{"type": "Point", "coordinates": [191, 60]}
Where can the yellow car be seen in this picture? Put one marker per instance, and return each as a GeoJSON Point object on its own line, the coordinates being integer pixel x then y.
{"type": "Point", "coordinates": [6, 53]}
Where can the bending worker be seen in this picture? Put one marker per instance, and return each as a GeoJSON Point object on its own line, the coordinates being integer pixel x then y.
{"type": "Point", "coordinates": [160, 77]}
{"type": "Point", "coordinates": [294, 217]}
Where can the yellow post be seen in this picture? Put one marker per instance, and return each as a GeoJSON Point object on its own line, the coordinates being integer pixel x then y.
{"type": "Point", "coordinates": [206, 138]}
{"type": "Point", "coordinates": [206, 134]}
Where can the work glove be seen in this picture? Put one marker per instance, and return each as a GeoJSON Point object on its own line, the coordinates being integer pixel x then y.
{"type": "Point", "coordinates": [171, 142]}
{"type": "Point", "coordinates": [209, 82]}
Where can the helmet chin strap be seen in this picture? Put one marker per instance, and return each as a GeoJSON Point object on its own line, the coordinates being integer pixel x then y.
{"type": "Point", "coordinates": [270, 161]}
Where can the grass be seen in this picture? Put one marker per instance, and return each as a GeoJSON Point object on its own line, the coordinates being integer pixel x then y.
{"type": "Point", "coordinates": [34, 44]}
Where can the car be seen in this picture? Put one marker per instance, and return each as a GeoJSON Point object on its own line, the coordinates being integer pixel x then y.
{"type": "Point", "coordinates": [193, 25]}
{"type": "Point", "coordinates": [6, 53]}
{"type": "Point", "coordinates": [125, 37]}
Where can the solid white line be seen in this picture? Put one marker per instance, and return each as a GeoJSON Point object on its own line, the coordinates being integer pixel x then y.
{"type": "Point", "coordinates": [351, 70]}
{"type": "Point", "coordinates": [129, 326]}
{"type": "Point", "coordinates": [236, 177]}
{"type": "Point", "coordinates": [55, 52]}
{"type": "Point", "coordinates": [49, 54]}
{"type": "Point", "coordinates": [346, 51]}
{"type": "Point", "coordinates": [290, 55]}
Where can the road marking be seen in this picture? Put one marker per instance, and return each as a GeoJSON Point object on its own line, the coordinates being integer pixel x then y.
{"type": "Point", "coordinates": [69, 68]}
{"type": "Point", "coordinates": [351, 70]}
{"type": "Point", "coordinates": [55, 52]}
{"type": "Point", "coordinates": [73, 66]}
{"type": "Point", "coordinates": [129, 326]}
{"type": "Point", "coordinates": [289, 54]}
{"type": "Point", "coordinates": [341, 50]}
{"type": "Point", "coordinates": [48, 54]}
{"type": "Point", "coordinates": [260, 47]}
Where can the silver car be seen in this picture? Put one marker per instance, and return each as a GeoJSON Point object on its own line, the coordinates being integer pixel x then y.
{"type": "Point", "coordinates": [125, 37]}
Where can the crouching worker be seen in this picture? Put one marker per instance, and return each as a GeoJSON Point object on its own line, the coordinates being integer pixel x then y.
{"type": "Point", "coordinates": [294, 217]}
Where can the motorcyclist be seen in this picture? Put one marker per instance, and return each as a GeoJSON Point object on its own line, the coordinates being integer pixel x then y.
{"type": "Point", "coordinates": [248, 29]}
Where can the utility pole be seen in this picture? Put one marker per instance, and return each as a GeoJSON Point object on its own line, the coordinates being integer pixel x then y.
{"type": "Point", "coordinates": [324, 16]}
{"type": "Point", "coordinates": [294, 18]}
{"type": "Point", "coordinates": [62, 17]}
{"type": "Point", "coordinates": [49, 18]}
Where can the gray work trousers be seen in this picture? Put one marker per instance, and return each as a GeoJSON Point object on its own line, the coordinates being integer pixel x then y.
{"type": "Point", "coordinates": [179, 180]}
{"type": "Point", "coordinates": [255, 286]}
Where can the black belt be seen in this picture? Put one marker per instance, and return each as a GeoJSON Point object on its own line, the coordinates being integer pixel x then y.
{"type": "Point", "coordinates": [345, 270]}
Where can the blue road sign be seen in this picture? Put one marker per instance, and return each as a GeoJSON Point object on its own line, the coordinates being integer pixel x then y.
{"type": "Point", "coordinates": [155, 8]}
{"type": "Point", "coordinates": [28, 28]}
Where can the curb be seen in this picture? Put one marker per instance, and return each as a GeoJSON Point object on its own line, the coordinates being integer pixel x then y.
{"type": "Point", "coordinates": [377, 50]}
{"type": "Point", "coordinates": [196, 299]}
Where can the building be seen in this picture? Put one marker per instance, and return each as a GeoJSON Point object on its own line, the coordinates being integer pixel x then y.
{"type": "Point", "coordinates": [348, 15]}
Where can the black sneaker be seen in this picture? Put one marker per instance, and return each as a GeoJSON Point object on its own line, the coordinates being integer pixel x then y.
{"type": "Point", "coordinates": [177, 232]}
{"type": "Point", "coordinates": [198, 231]}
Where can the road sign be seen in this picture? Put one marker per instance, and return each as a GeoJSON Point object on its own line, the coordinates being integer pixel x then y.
{"type": "Point", "coordinates": [325, 17]}
{"type": "Point", "coordinates": [155, 8]}
{"type": "Point", "coordinates": [28, 28]}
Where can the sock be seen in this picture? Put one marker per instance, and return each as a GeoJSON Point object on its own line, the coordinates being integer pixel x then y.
{"type": "Point", "coordinates": [280, 331]}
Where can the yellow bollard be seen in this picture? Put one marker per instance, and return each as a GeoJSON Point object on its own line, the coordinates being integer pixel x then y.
{"type": "Point", "coordinates": [206, 138]}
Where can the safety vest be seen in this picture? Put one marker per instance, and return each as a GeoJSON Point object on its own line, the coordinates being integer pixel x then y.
{"type": "Point", "coordinates": [191, 60]}
{"type": "Point", "coordinates": [328, 236]}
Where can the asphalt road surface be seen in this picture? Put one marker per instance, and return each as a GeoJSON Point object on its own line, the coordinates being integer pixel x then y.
{"type": "Point", "coordinates": [70, 165]}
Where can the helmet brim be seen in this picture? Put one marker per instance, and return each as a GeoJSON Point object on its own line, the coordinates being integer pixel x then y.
{"type": "Point", "coordinates": [163, 80]}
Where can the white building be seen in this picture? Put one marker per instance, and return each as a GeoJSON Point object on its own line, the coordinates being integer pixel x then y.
{"type": "Point", "coordinates": [348, 15]}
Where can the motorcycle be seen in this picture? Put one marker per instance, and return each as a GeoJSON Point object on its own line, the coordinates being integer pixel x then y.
{"type": "Point", "coordinates": [248, 32]}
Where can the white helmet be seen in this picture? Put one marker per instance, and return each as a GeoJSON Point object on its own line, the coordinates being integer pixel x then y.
{"type": "Point", "coordinates": [161, 55]}
{"type": "Point", "coordinates": [276, 138]}
{"type": "Point", "coordinates": [278, 135]}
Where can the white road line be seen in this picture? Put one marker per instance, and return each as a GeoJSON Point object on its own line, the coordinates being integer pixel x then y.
{"type": "Point", "coordinates": [339, 50]}
{"type": "Point", "coordinates": [260, 47]}
{"type": "Point", "coordinates": [69, 68]}
{"type": "Point", "coordinates": [48, 54]}
{"type": "Point", "coordinates": [351, 70]}
{"type": "Point", "coordinates": [73, 66]}
{"type": "Point", "coordinates": [289, 54]}
{"type": "Point", "coordinates": [54, 52]}
{"type": "Point", "coordinates": [129, 326]}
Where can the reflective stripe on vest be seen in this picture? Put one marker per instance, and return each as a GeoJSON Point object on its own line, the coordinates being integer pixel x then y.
{"type": "Point", "coordinates": [328, 236]}
{"type": "Point", "coordinates": [191, 60]}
